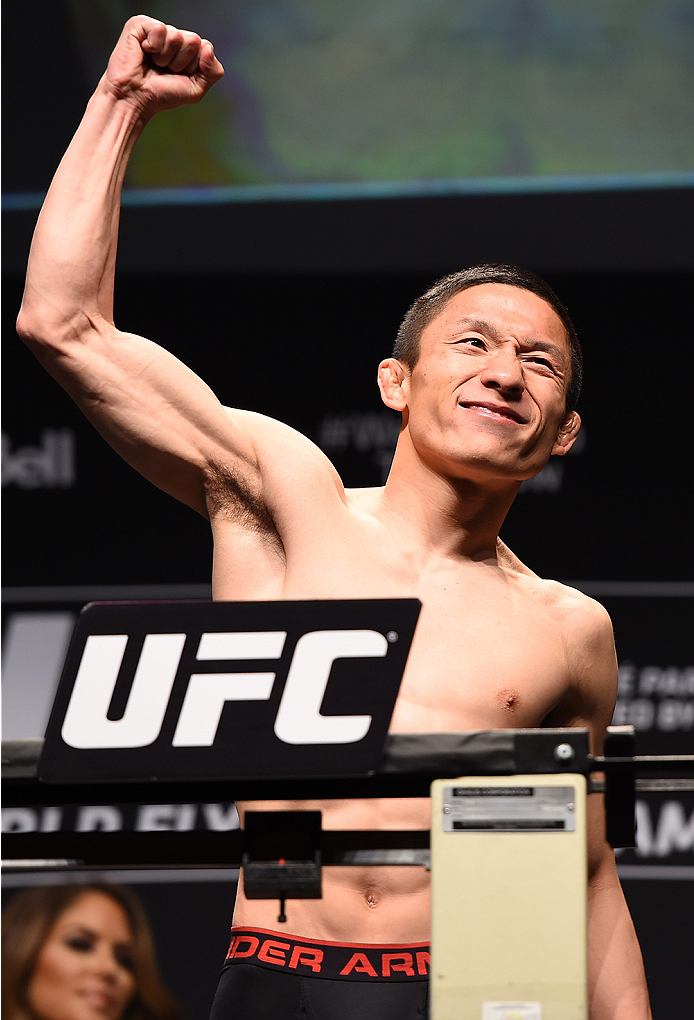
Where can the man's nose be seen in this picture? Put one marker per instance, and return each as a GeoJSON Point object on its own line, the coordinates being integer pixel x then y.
{"type": "Point", "coordinates": [503, 371]}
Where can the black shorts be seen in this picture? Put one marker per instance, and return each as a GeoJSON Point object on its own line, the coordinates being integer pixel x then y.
{"type": "Point", "coordinates": [271, 976]}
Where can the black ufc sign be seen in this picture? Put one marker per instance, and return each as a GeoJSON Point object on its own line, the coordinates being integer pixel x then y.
{"type": "Point", "coordinates": [228, 689]}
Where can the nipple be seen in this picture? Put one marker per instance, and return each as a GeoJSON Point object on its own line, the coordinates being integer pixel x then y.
{"type": "Point", "coordinates": [509, 699]}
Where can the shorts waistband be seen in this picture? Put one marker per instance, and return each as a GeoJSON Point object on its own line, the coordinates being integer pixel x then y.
{"type": "Point", "coordinates": [344, 961]}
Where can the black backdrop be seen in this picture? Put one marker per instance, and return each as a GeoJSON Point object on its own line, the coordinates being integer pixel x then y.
{"type": "Point", "coordinates": [305, 350]}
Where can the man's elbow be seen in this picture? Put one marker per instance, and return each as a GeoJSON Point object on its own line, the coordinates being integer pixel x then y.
{"type": "Point", "coordinates": [28, 328]}
{"type": "Point", "coordinates": [48, 333]}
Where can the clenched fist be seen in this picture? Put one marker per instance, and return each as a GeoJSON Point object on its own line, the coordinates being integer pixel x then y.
{"type": "Point", "coordinates": [158, 67]}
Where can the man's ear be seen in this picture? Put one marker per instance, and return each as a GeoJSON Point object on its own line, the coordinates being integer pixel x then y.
{"type": "Point", "coordinates": [393, 379]}
{"type": "Point", "coordinates": [566, 437]}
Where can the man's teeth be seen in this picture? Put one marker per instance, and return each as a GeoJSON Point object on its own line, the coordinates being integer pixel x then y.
{"type": "Point", "coordinates": [490, 412]}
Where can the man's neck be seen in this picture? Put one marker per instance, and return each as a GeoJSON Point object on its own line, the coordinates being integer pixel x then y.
{"type": "Point", "coordinates": [453, 516]}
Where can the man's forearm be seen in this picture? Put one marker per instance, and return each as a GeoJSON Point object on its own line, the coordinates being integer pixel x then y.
{"type": "Point", "coordinates": [71, 265]}
{"type": "Point", "coordinates": [616, 980]}
{"type": "Point", "coordinates": [73, 254]}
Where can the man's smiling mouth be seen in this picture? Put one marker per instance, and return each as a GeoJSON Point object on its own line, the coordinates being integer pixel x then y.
{"type": "Point", "coordinates": [497, 412]}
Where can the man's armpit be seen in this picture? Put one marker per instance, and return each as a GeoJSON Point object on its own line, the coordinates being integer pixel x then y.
{"type": "Point", "coordinates": [233, 498]}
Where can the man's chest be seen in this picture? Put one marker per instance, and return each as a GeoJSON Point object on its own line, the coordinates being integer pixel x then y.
{"type": "Point", "coordinates": [480, 661]}
{"type": "Point", "coordinates": [486, 654]}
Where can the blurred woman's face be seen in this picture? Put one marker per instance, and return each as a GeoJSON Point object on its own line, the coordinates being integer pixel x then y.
{"type": "Point", "coordinates": [84, 968]}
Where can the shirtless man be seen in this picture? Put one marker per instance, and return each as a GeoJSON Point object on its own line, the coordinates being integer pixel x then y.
{"type": "Point", "coordinates": [485, 385]}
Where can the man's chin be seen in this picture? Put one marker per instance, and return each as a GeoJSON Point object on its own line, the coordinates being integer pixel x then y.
{"type": "Point", "coordinates": [484, 461]}
{"type": "Point", "coordinates": [484, 472]}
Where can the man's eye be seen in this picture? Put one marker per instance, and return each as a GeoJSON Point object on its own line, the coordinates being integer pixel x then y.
{"type": "Point", "coordinates": [473, 341]}
{"type": "Point", "coordinates": [537, 360]}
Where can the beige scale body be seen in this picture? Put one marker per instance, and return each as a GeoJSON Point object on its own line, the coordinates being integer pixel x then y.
{"type": "Point", "coordinates": [509, 909]}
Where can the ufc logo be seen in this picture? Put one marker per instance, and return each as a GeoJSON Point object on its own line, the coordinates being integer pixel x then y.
{"type": "Point", "coordinates": [298, 720]}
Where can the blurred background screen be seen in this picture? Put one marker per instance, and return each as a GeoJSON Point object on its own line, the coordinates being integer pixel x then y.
{"type": "Point", "coordinates": [426, 90]}
{"type": "Point", "coordinates": [419, 95]}
{"type": "Point", "coordinates": [383, 136]}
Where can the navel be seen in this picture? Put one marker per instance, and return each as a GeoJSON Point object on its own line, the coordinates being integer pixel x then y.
{"type": "Point", "coordinates": [509, 699]}
{"type": "Point", "coordinates": [372, 899]}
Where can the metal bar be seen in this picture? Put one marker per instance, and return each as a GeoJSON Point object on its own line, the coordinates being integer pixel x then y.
{"type": "Point", "coordinates": [202, 848]}
{"type": "Point", "coordinates": [645, 763]}
{"type": "Point", "coordinates": [651, 785]}
{"type": "Point", "coordinates": [31, 792]}
{"type": "Point", "coordinates": [665, 785]}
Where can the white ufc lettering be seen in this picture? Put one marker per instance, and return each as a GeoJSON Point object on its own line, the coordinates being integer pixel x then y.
{"type": "Point", "coordinates": [86, 725]}
{"type": "Point", "coordinates": [299, 719]}
{"type": "Point", "coordinates": [208, 692]}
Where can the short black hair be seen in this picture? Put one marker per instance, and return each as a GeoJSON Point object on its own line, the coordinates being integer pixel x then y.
{"type": "Point", "coordinates": [426, 307]}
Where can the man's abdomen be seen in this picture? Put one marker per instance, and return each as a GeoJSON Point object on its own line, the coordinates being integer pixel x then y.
{"type": "Point", "coordinates": [377, 904]}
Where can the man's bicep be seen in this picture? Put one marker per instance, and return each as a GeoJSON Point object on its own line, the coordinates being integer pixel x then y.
{"type": "Point", "coordinates": [597, 672]}
{"type": "Point", "coordinates": [592, 663]}
{"type": "Point", "coordinates": [154, 411]}
{"type": "Point", "coordinates": [297, 480]}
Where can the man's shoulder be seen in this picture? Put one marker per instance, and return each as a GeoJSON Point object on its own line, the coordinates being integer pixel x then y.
{"type": "Point", "coordinates": [262, 426]}
{"type": "Point", "coordinates": [282, 452]}
{"type": "Point", "coordinates": [570, 607]}
{"type": "Point", "coordinates": [364, 500]}
{"type": "Point", "coordinates": [585, 631]}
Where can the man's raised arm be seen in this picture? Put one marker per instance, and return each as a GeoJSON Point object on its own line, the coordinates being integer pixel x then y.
{"type": "Point", "coordinates": [154, 67]}
{"type": "Point", "coordinates": [143, 400]}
